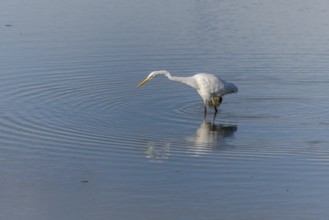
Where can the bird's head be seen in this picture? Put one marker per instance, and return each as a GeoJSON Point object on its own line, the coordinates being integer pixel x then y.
{"type": "Point", "coordinates": [151, 76]}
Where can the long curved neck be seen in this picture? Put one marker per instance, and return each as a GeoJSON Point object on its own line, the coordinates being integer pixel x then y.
{"type": "Point", "coordinates": [189, 80]}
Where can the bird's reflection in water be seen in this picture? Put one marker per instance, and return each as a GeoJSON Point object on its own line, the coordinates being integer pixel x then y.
{"type": "Point", "coordinates": [157, 151]}
{"type": "Point", "coordinates": [210, 136]}
{"type": "Point", "coordinates": [207, 138]}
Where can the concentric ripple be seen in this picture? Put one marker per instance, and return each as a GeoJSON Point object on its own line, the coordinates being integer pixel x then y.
{"type": "Point", "coordinates": [78, 140]}
{"type": "Point", "coordinates": [74, 113]}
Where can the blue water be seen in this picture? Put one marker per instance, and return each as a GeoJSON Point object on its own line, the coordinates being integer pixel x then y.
{"type": "Point", "coordinates": [79, 141]}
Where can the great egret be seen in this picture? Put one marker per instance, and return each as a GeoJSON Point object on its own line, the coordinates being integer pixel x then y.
{"type": "Point", "coordinates": [210, 87]}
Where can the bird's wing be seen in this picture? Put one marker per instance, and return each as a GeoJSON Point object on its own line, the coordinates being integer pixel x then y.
{"type": "Point", "coordinates": [210, 84]}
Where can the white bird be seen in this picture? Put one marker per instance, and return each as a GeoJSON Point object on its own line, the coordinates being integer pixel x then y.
{"type": "Point", "coordinates": [210, 87]}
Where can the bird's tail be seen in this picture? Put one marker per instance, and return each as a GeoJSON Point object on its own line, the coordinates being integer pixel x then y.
{"type": "Point", "coordinates": [216, 101]}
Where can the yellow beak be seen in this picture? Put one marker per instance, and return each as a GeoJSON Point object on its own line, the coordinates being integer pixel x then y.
{"type": "Point", "coordinates": [143, 82]}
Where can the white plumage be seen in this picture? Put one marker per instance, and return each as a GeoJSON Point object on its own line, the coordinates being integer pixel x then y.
{"type": "Point", "coordinates": [210, 87]}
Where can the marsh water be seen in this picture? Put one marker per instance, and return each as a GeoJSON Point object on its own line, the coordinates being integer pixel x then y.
{"type": "Point", "coordinates": [79, 141]}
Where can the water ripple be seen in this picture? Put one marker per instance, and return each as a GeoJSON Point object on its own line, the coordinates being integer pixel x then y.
{"type": "Point", "coordinates": [72, 113]}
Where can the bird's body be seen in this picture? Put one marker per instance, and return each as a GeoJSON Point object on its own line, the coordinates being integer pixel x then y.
{"type": "Point", "coordinates": [210, 87]}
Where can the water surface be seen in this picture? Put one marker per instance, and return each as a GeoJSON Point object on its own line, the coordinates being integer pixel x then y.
{"type": "Point", "coordinates": [79, 141]}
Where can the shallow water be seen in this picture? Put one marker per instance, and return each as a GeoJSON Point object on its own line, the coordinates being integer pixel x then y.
{"type": "Point", "coordinates": [79, 141]}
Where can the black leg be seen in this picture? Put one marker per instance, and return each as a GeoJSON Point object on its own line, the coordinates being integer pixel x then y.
{"type": "Point", "coordinates": [204, 111]}
{"type": "Point", "coordinates": [213, 120]}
